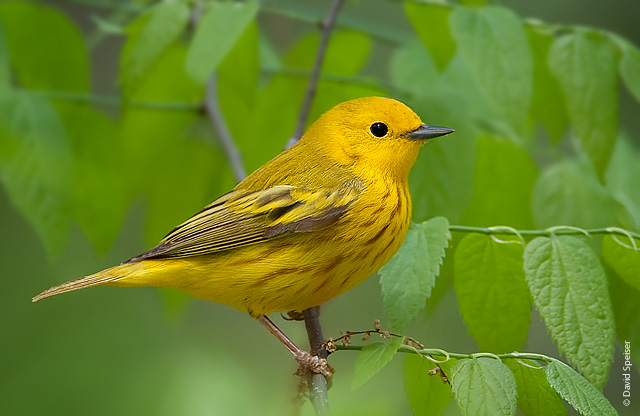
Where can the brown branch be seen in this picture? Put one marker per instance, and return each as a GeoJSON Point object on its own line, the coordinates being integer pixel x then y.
{"type": "Point", "coordinates": [345, 339]}
{"type": "Point", "coordinates": [330, 345]}
{"type": "Point", "coordinates": [327, 26]}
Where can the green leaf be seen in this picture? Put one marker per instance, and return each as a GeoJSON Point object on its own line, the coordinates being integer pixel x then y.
{"type": "Point", "coordinates": [237, 81]}
{"type": "Point", "coordinates": [427, 394]}
{"type": "Point", "coordinates": [484, 386]}
{"type": "Point", "coordinates": [373, 358]}
{"type": "Point", "coordinates": [569, 289]}
{"type": "Point", "coordinates": [493, 44]}
{"type": "Point", "coordinates": [569, 193]}
{"type": "Point", "coordinates": [629, 67]}
{"type": "Point", "coordinates": [492, 292]}
{"type": "Point", "coordinates": [535, 394]}
{"type": "Point", "coordinates": [431, 23]}
{"type": "Point", "coordinates": [548, 104]}
{"type": "Point", "coordinates": [346, 54]}
{"type": "Point", "coordinates": [218, 30]}
{"type": "Point", "coordinates": [101, 196]}
{"type": "Point", "coordinates": [35, 165]}
{"type": "Point", "coordinates": [579, 393]}
{"type": "Point", "coordinates": [106, 26]}
{"type": "Point", "coordinates": [626, 309]}
{"type": "Point", "coordinates": [56, 57]}
{"type": "Point", "coordinates": [5, 67]}
{"type": "Point", "coordinates": [504, 177]}
{"type": "Point", "coordinates": [622, 181]}
{"type": "Point", "coordinates": [280, 99]}
{"type": "Point", "coordinates": [407, 279]}
{"type": "Point", "coordinates": [413, 70]}
{"type": "Point", "coordinates": [164, 24]}
{"type": "Point", "coordinates": [585, 67]}
{"type": "Point", "coordinates": [441, 180]}
{"type": "Point", "coordinates": [198, 179]}
{"type": "Point", "coordinates": [624, 260]}
{"type": "Point", "coordinates": [158, 143]}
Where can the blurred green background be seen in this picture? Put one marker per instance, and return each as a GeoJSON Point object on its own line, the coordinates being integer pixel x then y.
{"type": "Point", "coordinates": [111, 351]}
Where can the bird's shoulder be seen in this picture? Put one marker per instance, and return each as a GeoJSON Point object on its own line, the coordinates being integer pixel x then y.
{"type": "Point", "coordinates": [248, 216]}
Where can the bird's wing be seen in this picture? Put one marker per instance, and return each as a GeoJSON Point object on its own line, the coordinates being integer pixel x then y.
{"type": "Point", "coordinates": [240, 218]}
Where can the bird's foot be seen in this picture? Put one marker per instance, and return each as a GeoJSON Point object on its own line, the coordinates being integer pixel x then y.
{"type": "Point", "coordinates": [312, 364]}
{"type": "Point", "coordinates": [293, 316]}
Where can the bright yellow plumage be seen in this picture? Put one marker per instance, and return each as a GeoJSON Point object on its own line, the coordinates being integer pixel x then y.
{"type": "Point", "coordinates": [307, 226]}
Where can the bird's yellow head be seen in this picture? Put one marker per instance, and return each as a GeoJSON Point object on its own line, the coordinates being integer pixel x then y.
{"type": "Point", "coordinates": [372, 134]}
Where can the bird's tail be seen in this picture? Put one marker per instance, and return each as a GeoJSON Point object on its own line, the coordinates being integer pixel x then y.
{"type": "Point", "coordinates": [106, 277]}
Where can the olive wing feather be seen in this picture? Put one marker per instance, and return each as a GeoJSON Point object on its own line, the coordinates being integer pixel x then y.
{"type": "Point", "coordinates": [241, 218]}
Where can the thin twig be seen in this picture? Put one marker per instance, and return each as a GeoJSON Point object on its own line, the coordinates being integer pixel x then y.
{"type": "Point", "coordinates": [433, 352]}
{"type": "Point", "coordinates": [315, 74]}
{"type": "Point", "coordinates": [558, 230]}
{"type": "Point", "coordinates": [217, 121]}
{"type": "Point", "coordinates": [345, 338]}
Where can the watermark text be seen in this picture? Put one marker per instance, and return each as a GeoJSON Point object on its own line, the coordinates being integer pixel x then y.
{"type": "Point", "coordinates": [626, 374]}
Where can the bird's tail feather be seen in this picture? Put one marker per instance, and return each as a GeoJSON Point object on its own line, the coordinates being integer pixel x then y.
{"type": "Point", "coordinates": [104, 277]}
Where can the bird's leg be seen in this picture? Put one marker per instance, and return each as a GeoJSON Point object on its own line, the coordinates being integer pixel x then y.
{"type": "Point", "coordinates": [307, 361]}
{"type": "Point", "coordinates": [276, 332]}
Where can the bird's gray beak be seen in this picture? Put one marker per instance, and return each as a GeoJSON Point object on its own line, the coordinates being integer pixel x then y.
{"type": "Point", "coordinates": [425, 132]}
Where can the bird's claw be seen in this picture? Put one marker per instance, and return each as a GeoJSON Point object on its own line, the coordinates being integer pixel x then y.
{"type": "Point", "coordinates": [312, 364]}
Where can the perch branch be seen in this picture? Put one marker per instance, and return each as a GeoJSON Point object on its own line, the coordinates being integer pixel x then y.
{"type": "Point", "coordinates": [318, 386]}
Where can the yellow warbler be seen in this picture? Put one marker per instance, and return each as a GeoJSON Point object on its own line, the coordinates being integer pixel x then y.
{"type": "Point", "coordinates": [307, 226]}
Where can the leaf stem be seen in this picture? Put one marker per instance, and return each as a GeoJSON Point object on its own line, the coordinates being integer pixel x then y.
{"type": "Point", "coordinates": [435, 352]}
{"type": "Point", "coordinates": [557, 230]}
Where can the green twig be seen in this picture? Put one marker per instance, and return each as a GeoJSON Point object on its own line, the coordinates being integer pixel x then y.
{"type": "Point", "coordinates": [557, 230]}
{"type": "Point", "coordinates": [435, 352]}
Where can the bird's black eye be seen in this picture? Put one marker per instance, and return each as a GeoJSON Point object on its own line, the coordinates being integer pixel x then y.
{"type": "Point", "coordinates": [379, 129]}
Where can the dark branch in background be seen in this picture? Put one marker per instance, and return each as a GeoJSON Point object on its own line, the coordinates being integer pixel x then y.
{"type": "Point", "coordinates": [327, 26]}
{"type": "Point", "coordinates": [213, 112]}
